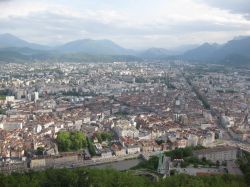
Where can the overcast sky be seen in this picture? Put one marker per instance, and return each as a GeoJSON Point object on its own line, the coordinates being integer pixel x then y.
{"type": "Point", "coordinates": [130, 23]}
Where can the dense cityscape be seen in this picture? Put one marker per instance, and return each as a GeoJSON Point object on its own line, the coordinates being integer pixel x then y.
{"type": "Point", "coordinates": [74, 115]}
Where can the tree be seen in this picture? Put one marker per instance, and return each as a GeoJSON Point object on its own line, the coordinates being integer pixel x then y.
{"type": "Point", "coordinates": [184, 164]}
{"type": "Point", "coordinates": [63, 140]}
{"type": "Point", "coordinates": [109, 178]}
{"type": "Point", "coordinates": [217, 163]}
{"type": "Point", "coordinates": [159, 142]}
{"type": "Point", "coordinates": [91, 147]}
{"type": "Point", "coordinates": [78, 140]}
{"type": "Point", "coordinates": [99, 137]}
{"type": "Point", "coordinates": [104, 136]}
{"type": "Point", "coordinates": [40, 150]}
{"type": "Point", "coordinates": [204, 159]}
{"type": "Point", "coordinates": [180, 153]}
{"type": "Point", "coordinates": [68, 141]}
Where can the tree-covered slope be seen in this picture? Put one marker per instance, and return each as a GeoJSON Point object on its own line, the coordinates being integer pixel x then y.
{"type": "Point", "coordinates": [110, 178]}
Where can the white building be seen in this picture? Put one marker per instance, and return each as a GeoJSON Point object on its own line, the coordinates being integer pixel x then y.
{"type": "Point", "coordinates": [220, 153]}
{"type": "Point", "coordinates": [192, 140]}
{"type": "Point", "coordinates": [106, 153]}
{"type": "Point", "coordinates": [208, 139]}
{"type": "Point", "coordinates": [10, 98]}
{"type": "Point", "coordinates": [11, 125]}
{"type": "Point", "coordinates": [124, 129]}
{"type": "Point", "coordinates": [38, 128]}
{"type": "Point", "coordinates": [133, 149]}
{"type": "Point", "coordinates": [227, 121]}
{"type": "Point", "coordinates": [36, 96]}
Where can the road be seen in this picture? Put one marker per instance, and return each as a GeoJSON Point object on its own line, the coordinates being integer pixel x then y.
{"type": "Point", "coordinates": [100, 161]}
{"type": "Point", "coordinates": [227, 138]}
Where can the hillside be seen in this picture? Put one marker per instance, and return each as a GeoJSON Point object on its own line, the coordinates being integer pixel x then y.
{"type": "Point", "coordinates": [94, 47]}
{"type": "Point", "coordinates": [8, 40]}
{"type": "Point", "coordinates": [235, 51]}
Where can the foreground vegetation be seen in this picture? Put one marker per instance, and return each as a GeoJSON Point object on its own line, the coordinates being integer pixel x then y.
{"type": "Point", "coordinates": [111, 178]}
{"type": "Point", "coordinates": [244, 163]}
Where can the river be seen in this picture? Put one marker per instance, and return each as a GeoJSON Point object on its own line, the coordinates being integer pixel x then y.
{"type": "Point", "coordinates": [119, 165]}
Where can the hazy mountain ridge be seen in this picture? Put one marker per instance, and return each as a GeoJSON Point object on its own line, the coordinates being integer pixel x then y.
{"type": "Point", "coordinates": [234, 51]}
{"type": "Point", "coordinates": [15, 49]}
{"type": "Point", "coordinates": [204, 51]}
{"type": "Point", "coordinates": [101, 47]}
{"type": "Point", "coordinates": [8, 40]}
{"type": "Point", "coordinates": [156, 53]}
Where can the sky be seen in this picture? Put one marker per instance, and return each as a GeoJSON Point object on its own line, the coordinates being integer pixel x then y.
{"type": "Point", "coordinates": [135, 24]}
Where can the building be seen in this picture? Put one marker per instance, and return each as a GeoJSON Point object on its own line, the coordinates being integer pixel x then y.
{"type": "Point", "coordinates": [133, 149]}
{"type": "Point", "coordinates": [11, 125]}
{"type": "Point", "coordinates": [180, 143]}
{"type": "Point", "coordinates": [207, 139]}
{"type": "Point", "coordinates": [10, 98]}
{"type": "Point", "coordinates": [51, 161]}
{"type": "Point", "coordinates": [106, 153]}
{"type": "Point", "coordinates": [227, 121]}
{"type": "Point", "coordinates": [36, 96]}
{"type": "Point", "coordinates": [220, 153]}
{"type": "Point", "coordinates": [126, 129]}
{"type": "Point", "coordinates": [192, 140]}
{"type": "Point", "coordinates": [118, 149]}
{"type": "Point", "coordinates": [147, 146]}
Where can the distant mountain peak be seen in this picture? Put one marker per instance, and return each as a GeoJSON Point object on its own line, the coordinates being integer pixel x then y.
{"type": "Point", "coordinates": [103, 47]}
{"type": "Point", "coordinates": [238, 47]}
{"type": "Point", "coordinates": [9, 40]}
{"type": "Point", "coordinates": [7, 35]}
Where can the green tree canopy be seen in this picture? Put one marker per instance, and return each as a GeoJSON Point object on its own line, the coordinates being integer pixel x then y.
{"type": "Point", "coordinates": [68, 141]}
{"type": "Point", "coordinates": [111, 178]}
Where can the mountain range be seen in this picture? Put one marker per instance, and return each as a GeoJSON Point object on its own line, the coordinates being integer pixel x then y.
{"type": "Point", "coordinates": [14, 49]}
{"type": "Point", "coordinates": [238, 47]}
{"type": "Point", "coordinates": [8, 40]}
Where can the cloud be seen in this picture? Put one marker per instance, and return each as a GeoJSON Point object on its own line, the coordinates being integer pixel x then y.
{"type": "Point", "coordinates": [238, 6]}
{"type": "Point", "coordinates": [140, 24]}
{"type": "Point", "coordinates": [234, 6]}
